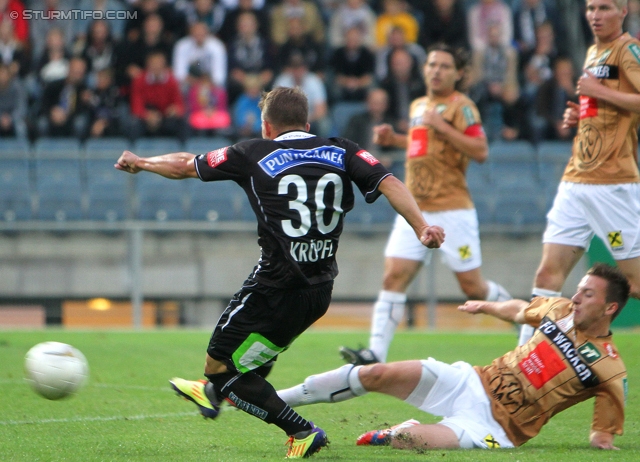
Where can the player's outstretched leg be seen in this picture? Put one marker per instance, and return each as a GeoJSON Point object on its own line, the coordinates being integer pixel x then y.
{"type": "Point", "coordinates": [199, 392]}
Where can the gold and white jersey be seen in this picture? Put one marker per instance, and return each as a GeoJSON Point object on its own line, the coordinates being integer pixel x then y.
{"type": "Point", "coordinates": [605, 147]}
{"type": "Point", "coordinates": [558, 368]}
{"type": "Point", "coordinates": [435, 170]}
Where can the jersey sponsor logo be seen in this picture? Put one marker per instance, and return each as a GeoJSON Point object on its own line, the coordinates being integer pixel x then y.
{"type": "Point", "coordinates": [588, 107]}
{"type": "Point", "coordinates": [465, 252]}
{"type": "Point", "coordinates": [635, 50]}
{"type": "Point", "coordinates": [469, 118]}
{"type": "Point", "coordinates": [566, 347]}
{"type": "Point", "coordinates": [282, 159]}
{"type": "Point", "coordinates": [604, 71]}
{"type": "Point", "coordinates": [589, 352]}
{"type": "Point", "coordinates": [418, 142]}
{"type": "Point", "coordinates": [367, 157]}
{"type": "Point", "coordinates": [215, 158]}
{"type": "Point", "coordinates": [615, 239]}
{"type": "Point", "coordinates": [611, 351]}
{"type": "Point", "coordinates": [541, 365]}
{"type": "Point", "coordinates": [491, 442]}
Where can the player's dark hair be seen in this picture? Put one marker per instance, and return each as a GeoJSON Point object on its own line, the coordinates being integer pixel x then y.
{"type": "Point", "coordinates": [460, 55]}
{"type": "Point", "coordinates": [618, 287]}
{"type": "Point", "coordinates": [285, 107]}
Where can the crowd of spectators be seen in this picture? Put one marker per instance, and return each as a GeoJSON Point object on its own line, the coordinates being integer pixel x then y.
{"type": "Point", "coordinates": [187, 68]}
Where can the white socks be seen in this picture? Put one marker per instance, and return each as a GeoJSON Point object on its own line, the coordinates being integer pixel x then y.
{"type": "Point", "coordinates": [526, 331]}
{"type": "Point", "coordinates": [387, 314]}
{"type": "Point", "coordinates": [497, 293]}
{"type": "Point", "coordinates": [329, 387]}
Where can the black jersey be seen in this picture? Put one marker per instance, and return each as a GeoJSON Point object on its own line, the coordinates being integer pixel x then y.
{"type": "Point", "coordinates": [299, 187]}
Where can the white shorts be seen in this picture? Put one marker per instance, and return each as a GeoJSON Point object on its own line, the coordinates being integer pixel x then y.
{"type": "Point", "coordinates": [458, 396]}
{"type": "Point", "coordinates": [461, 247]}
{"type": "Point", "coordinates": [612, 212]}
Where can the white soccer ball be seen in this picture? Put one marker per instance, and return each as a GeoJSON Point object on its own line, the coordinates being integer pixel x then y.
{"type": "Point", "coordinates": [55, 370]}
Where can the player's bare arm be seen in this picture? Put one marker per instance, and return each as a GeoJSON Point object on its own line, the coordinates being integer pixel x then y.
{"type": "Point", "coordinates": [175, 166]}
{"type": "Point", "coordinates": [403, 202]}
{"type": "Point", "coordinates": [385, 135]}
{"type": "Point", "coordinates": [473, 146]}
{"type": "Point", "coordinates": [510, 310]}
{"type": "Point", "coordinates": [601, 440]}
{"type": "Point", "coordinates": [589, 85]}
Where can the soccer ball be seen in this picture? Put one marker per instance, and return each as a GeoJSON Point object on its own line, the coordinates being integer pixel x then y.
{"type": "Point", "coordinates": [55, 370]}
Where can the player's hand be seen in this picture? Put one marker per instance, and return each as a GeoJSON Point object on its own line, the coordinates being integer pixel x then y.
{"type": "Point", "coordinates": [571, 115]}
{"type": "Point", "coordinates": [433, 119]}
{"type": "Point", "coordinates": [432, 237]}
{"type": "Point", "coordinates": [127, 162]}
{"type": "Point", "coordinates": [588, 85]}
{"type": "Point", "coordinates": [472, 306]}
{"type": "Point", "coordinates": [383, 135]}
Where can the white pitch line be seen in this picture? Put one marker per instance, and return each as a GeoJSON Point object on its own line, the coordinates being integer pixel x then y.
{"type": "Point", "coordinates": [96, 419]}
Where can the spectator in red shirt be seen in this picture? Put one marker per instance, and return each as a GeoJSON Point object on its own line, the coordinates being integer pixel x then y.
{"type": "Point", "coordinates": [11, 10]}
{"type": "Point", "coordinates": [156, 103]}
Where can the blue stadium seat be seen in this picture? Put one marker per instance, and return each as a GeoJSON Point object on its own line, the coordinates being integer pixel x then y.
{"type": "Point", "coordinates": [105, 148]}
{"type": "Point", "coordinates": [59, 188]}
{"type": "Point", "coordinates": [511, 151]}
{"type": "Point", "coordinates": [15, 190]}
{"type": "Point", "coordinates": [478, 177]}
{"type": "Point", "coordinates": [147, 147]}
{"type": "Point", "coordinates": [519, 206]}
{"type": "Point", "coordinates": [218, 201]}
{"type": "Point", "coordinates": [159, 198]}
{"type": "Point", "coordinates": [204, 145]}
{"type": "Point", "coordinates": [363, 214]}
{"type": "Point", "coordinates": [108, 191]}
{"type": "Point", "coordinates": [11, 148]}
{"type": "Point", "coordinates": [342, 111]}
{"type": "Point", "coordinates": [485, 205]}
{"type": "Point", "coordinates": [57, 148]}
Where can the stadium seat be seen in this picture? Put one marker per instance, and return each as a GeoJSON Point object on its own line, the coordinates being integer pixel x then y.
{"type": "Point", "coordinates": [363, 214]}
{"type": "Point", "coordinates": [147, 147]}
{"type": "Point", "coordinates": [59, 188]}
{"type": "Point", "coordinates": [105, 148]}
{"type": "Point", "coordinates": [11, 148]}
{"type": "Point", "coordinates": [108, 191]}
{"type": "Point", "coordinates": [204, 145]}
{"type": "Point", "coordinates": [511, 151]}
{"type": "Point", "coordinates": [159, 198]}
{"type": "Point", "coordinates": [342, 111]}
{"type": "Point", "coordinates": [218, 201]}
{"type": "Point", "coordinates": [485, 205]}
{"type": "Point", "coordinates": [518, 206]}
{"type": "Point", "coordinates": [57, 148]}
{"type": "Point", "coordinates": [15, 190]}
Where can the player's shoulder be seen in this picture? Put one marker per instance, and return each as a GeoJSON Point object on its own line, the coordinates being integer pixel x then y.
{"type": "Point", "coordinates": [422, 100]}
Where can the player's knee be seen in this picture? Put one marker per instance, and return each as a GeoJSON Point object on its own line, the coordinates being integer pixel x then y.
{"type": "Point", "coordinates": [374, 377]}
{"type": "Point", "coordinates": [549, 278]}
{"type": "Point", "coordinates": [474, 291]}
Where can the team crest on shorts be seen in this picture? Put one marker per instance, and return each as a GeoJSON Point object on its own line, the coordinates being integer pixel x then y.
{"type": "Point", "coordinates": [615, 239]}
{"type": "Point", "coordinates": [491, 442]}
{"type": "Point", "coordinates": [464, 252]}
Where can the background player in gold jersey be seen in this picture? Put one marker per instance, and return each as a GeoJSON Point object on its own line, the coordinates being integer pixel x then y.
{"type": "Point", "coordinates": [600, 190]}
{"type": "Point", "coordinates": [570, 359]}
{"type": "Point", "coordinates": [445, 134]}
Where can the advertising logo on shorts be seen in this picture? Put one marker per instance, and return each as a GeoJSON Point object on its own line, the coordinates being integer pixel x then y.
{"type": "Point", "coordinates": [615, 240]}
{"type": "Point", "coordinates": [215, 158]}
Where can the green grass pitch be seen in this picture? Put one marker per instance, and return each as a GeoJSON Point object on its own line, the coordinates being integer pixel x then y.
{"type": "Point", "coordinates": [128, 413]}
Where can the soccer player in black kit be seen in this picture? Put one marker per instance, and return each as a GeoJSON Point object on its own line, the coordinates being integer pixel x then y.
{"type": "Point", "coordinates": [300, 188]}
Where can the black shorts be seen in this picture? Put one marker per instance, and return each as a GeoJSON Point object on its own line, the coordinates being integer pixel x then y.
{"type": "Point", "coordinates": [261, 322]}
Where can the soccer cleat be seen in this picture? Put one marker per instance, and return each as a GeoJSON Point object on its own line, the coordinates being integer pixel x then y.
{"type": "Point", "coordinates": [360, 357]}
{"type": "Point", "coordinates": [300, 448]}
{"type": "Point", "coordinates": [193, 390]}
{"type": "Point", "coordinates": [383, 437]}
